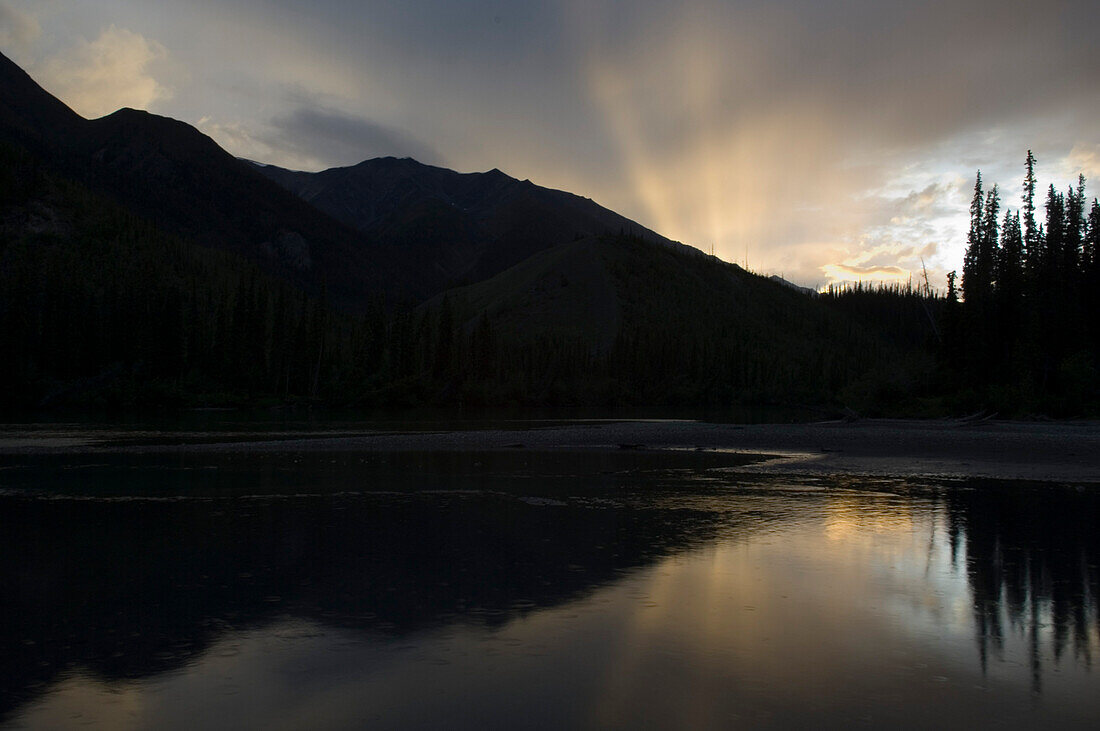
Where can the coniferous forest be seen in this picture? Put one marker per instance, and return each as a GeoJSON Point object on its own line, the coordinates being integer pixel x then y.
{"type": "Point", "coordinates": [1026, 333]}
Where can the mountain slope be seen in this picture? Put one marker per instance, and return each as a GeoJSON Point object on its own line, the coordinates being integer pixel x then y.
{"type": "Point", "coordinates": [97, 306]}
{"type": "Point", "coordinates": [454, 228]}
{"type": "Point", "coordinates": [567, 290]}
{"type": "Point", "coordinates": [385, 227]}
{"type": "Point", "coordinates": [29, 116]}
{"type": "Point", "coordinates": [664, 324]}
{"type": "Point", "coordinates": [177, 177]}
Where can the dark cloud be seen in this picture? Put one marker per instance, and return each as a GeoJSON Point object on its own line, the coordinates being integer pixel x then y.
{"type": "Point", "coordinates": [336, 138]}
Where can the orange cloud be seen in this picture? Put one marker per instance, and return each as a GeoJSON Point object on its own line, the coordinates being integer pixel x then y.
{"type": "Point", "coordinates": [101, 76]}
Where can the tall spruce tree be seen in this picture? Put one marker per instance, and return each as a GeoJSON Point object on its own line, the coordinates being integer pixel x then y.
{"type": "Point", "coordinates": [1090, 262]}
{"type": "Point", "coordinates": [1010, 258]}
{"type": "Point", "coordinates": [1010, 282]}
{"type": "Point", "coordinates": [987, 253]}
{"type": "Point", "coordinates": [1031, 234]}
{"type": "Point", "coordinates": [1053, 253]}
{"type": "Point", "coordinates": [971, 290]}
{"type": "Point", "coordinates": [1074, 233]}
{"type": "Point", "coordinates": [1091, 248]}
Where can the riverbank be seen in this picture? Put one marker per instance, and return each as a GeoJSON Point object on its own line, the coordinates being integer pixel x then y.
{"type": "Point", "coordinates": [1042, 451]}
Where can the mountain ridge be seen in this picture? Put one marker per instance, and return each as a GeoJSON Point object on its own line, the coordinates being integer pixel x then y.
{"type": "Point", "coordinates": [172, 174]}
{"type": "Point", "coordinates": [469, 227]}
{"type": "Point", "coordinates": [388, 228]}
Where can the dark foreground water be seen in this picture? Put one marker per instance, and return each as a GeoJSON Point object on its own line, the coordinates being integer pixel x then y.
{"type": "Point", "coordinates": [525, 590]}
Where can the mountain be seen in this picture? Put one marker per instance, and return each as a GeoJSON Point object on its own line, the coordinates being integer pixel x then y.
{"type": "Point", "coordinates": [665, 324]}
{"type": "Point", "coordinates": [600, 289]}
{"type": "Point", "coordinates": [796, 287]}
{"type": "Point", "coordinates": [30, 117]}
{"type": "Point", "coordinates": [172, 174]}
{"type": "Point", "coordinates": [454, 228]}
{"type": "Point", "coordinates": [567, 290]}
{"type": "Point", "coordinates": [383, 228]}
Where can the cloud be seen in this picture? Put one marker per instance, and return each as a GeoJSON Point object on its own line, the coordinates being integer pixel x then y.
{"type": "Point", "coordinates": [18, 30]}
{"type": "Point", "coordinates": [99, 77]}
{"type": "Point", "coordinates": [242, 141]}
{"type": "Point", "coordinates": [337, 138]}
{"type": "Point", "coordinates": [845, 272]}
{"type": "Point", "coordinates": [1082, 160]}
{"type": "Point", "coordinates": [809, 135]}
{"type": "Point", "coordinates": [316, 139]}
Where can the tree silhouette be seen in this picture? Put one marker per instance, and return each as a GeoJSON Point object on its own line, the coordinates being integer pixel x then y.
{"type": "Point", "coordinates": [1029, 303]}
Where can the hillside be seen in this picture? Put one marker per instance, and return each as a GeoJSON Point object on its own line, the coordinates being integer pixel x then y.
{"type": "Point", "coordinates": [99, 307]}
{"type": "Point", "coordinates": [654, 324]}
{"type": "Point", "coordinates": [454, 228]}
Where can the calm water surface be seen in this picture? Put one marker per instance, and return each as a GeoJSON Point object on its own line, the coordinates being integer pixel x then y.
{"type": "Point", "coordinates": [537, 590]}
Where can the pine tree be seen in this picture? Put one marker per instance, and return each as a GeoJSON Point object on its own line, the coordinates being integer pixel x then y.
{"type": "Point", "coordinates": [1009, 266]}
{"type": "Point", "coordinates": [1010, 285]}
{"type": "Point", "coordinates": [1091, 248]}
{"type": "Point", "coordinates": [970, 287]}
{"type": "Point", "coordinates": [1031, 235]}
{"type": "Point", "coordinates": [1090, 261]}
{"type": "Point", "coordinates": [988, 253]}
{"type": "Point", "coordinates": [1074, 233]}
{"type": "Point", "coordinates": [1053, 247]}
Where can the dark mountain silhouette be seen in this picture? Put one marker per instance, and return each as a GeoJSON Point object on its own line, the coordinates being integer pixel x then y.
{"type": "Point", "coordinates": [30, 117]}
{"type": "Point", "coordinates": [596, 288]}
{"type": "Point", "coordinates": [393, 227]}
{"type": "Point", "coordinates": [180, 179]}
{"type": "Point", "coordinates": [454, 228]}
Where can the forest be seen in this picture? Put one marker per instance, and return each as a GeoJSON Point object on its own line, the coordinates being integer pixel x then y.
{"type": "Point", "coordinates": [1026, 333]}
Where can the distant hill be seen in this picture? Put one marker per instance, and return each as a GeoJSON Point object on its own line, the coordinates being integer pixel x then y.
{"type": "Point", "coordinates": [454, 228]}
{"type": "Point", "coordinates": [796, 287]}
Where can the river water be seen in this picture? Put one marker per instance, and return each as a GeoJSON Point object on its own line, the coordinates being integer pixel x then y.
{"type": "Point", "coordinates": [520, 589]}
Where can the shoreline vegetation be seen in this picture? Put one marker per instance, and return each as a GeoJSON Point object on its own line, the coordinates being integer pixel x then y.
{"type": "Point", "coordinates": [1064, 452]}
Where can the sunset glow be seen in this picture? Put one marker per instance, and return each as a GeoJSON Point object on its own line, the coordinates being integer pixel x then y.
{"type": "Point", "coordinates": [822, 142]}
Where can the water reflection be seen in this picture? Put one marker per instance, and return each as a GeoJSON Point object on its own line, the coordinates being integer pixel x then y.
{"type": "Point", "coordinates": [600, 589]}
{"type": "Point", "coordinates": [1032, 556]}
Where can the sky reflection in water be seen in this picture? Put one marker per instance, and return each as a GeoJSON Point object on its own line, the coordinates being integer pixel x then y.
{"type": "Point", "coordinates": [598, 590]}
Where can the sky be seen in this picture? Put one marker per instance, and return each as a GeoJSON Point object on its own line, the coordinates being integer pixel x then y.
{"type": "Point", "coordinates": [826, 141]}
